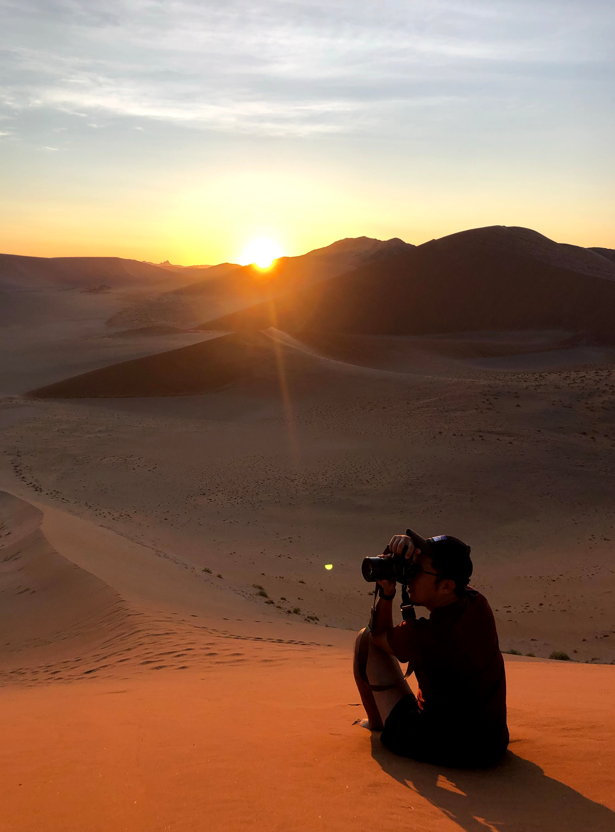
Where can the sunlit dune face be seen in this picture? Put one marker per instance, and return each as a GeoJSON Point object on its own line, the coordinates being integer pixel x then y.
{"type": "Point", "coordinates": [262, 253]}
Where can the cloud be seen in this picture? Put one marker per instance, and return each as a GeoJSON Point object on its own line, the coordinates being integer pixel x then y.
{"type": "Point", "coordinates": [295, 68]}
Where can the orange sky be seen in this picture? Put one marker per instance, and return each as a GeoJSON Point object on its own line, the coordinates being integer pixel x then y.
{"type": "Point", "coordinates": [183, 133]}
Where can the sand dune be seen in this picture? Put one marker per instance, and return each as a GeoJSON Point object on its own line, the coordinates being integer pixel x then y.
{"type": "Point", "coordinates": [27, 273]}
{"type": "Point", "coordinates": [609, 253]}
{"type": "Point", "coordinates": [355, 433]}
{"type": "Point", "coordinates": [65, 293]}
{"type": "Point", "coordinates": [229, 747]}
{"type": "Point", "coordinates": [287, 273]}
{"type": "Point", "coordinates": [52, 612]}
{"type": "Point", "coordinates": [485, 279]}
{"type": "Point", "coordinates": [64, 618]}
{"type": "Point", "coordinates": [163, 719]}
{"type": "Point", "coordinates": [166, 521]}
{"type": "Point", "coordinates": [227, 288]}
{"type": "Point", "coordinates": [207, 366]}
{"type": "Point", "coordinates": [409, 353]}
{"type": "Point", "coordinates": [186, 371]}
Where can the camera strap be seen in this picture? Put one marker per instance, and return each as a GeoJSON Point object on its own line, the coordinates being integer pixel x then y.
{"type": "Point", "coordinates": [406, 606]}
{"type": "Point", "coordinates": [372, 614]}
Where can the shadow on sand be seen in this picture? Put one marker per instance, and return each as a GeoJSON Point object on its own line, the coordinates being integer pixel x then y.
{"type": "Point", "coordinates": [514, 796]}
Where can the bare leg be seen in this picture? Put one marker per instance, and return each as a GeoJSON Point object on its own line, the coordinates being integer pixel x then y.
{"type": "Point", "coordinates": [382, 669]}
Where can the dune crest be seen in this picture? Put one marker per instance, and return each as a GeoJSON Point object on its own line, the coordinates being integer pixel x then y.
{"type": "Point", "coordinates": [485, 279]}
{"type": "Point", "coordinates": [53, 613]}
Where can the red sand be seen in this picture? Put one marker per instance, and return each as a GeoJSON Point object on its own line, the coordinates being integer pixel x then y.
{"type": "Point", "coordinates": [233, 749]}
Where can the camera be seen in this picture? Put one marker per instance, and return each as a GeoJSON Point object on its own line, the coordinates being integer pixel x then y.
{"type": "Point", "coordinates": [398, 568]}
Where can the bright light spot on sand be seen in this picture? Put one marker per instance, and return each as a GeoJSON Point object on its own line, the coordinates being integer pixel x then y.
{"type": "Point", "coordinates": [261, 252]}
{"type": "Point", "coordinates": [328, 566]}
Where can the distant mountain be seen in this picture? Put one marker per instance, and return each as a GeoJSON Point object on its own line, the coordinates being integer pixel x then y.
{"type": "Point", "coordinates": [486, 278]}
{"type": "Point", "coordinates": [174, 268]}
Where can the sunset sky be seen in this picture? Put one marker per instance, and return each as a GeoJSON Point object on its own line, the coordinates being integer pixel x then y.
{"type": "Point", "coordinates": [183, 130]}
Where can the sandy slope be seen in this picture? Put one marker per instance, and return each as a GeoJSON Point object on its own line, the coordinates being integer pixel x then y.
{"type": "Point", "coordinates": [234, 748]}
{"type": "Point", "coordinates": [167, 721]}
{"type": "Point", "coordinates": [301, 459]}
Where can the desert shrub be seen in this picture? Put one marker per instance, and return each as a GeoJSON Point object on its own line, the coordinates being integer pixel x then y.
{"type": "Point", "coordinates": [205, 569]}
{"type": "Point", "coordinates": [263, 593]}
{"type": "Point", "coordinates": [560, 656]}
{"type": "Point", "coordinates": [513, 652]}
{"type": "Point", "coordinates": [296, 610]}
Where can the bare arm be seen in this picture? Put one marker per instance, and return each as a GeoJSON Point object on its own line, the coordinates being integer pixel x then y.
{"type": "Point", "coordinates": [383, 620]}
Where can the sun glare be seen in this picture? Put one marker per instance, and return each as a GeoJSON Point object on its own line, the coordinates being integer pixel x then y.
{"type": "Point", "coordinates": [262, 253]}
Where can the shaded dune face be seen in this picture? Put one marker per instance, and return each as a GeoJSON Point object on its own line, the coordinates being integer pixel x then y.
{"type": "Point", "coordinates": [50, 608]}
{"type": "Point", "coordinates": [186, 371]}
{"type": "Point", "coordinates": [408, 353]}
{"type": "Point", "coordinates": [487, 279]}
{"type": "Point", "coordinates": [609, 253]}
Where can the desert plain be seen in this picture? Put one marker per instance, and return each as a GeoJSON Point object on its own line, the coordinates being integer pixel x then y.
{"type": "Point", "coordinates": [195, 462]}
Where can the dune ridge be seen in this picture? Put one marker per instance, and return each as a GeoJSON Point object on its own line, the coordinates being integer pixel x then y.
{"type": "Point", "coordinates": [484, 279]}
{"type": "Point", "coordinates": [52, 612]}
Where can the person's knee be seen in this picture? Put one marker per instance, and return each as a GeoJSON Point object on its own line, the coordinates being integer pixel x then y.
{"type": "Point", "coordinates": [360, 657]}
{"type": "Point", "coordinates": [358, 639]}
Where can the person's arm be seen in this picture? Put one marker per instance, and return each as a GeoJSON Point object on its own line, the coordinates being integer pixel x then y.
{"type": "Point", "coordinates": [383, 618]}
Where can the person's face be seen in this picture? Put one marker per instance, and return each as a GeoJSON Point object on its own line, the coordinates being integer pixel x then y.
{"type": "Point", "coordinates": [427, 589]}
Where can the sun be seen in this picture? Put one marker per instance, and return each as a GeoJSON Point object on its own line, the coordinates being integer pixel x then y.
{"type": "Point", "coordinates": [262, 252]}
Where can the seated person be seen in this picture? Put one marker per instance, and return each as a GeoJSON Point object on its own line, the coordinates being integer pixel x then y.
{"type": "Point", "coordinates": [458, 717]}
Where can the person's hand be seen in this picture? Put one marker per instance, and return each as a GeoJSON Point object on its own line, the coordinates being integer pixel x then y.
{"type": "Point", "coordinates": [396, 547]}
{"type": "Point", "coordinates": [398, 543]}
{"type": "Point", "coordinates": [388, 587]}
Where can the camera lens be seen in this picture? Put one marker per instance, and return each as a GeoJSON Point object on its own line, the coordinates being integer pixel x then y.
{"type": "Point", "coordinates": [378, 569]}
{"type": "Point", "coordinates": [367, 569]}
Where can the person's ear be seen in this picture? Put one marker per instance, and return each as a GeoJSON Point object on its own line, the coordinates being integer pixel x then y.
{"type": "Point", "coordinates": [448, 585]}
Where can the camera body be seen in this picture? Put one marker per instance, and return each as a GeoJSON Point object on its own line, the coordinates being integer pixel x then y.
{"type": "Point", "coordinates": [398, 568]}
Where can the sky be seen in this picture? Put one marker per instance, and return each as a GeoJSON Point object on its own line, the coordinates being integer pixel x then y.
{"type": "Point", "coordinates": [182, 130]}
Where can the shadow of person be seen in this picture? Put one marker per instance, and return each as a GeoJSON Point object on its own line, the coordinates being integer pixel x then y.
{"type": "Point", "coordinates": [513, 796]}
